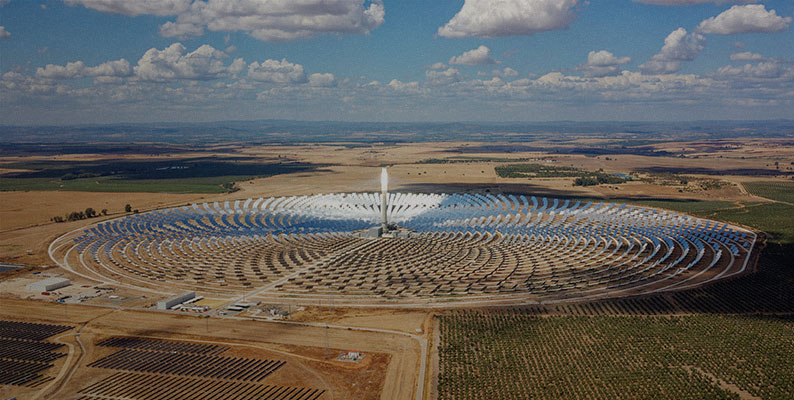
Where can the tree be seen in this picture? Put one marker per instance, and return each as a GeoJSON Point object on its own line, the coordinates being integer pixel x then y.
{"type": "Point", "coordinates": [127, 208]}
{"type": "Point", "coordinates": [104, 211]}
{"type": "Point", "coordinates": [585, 181]}
{"type": "Point", "coordinates": [75, 216]}
{"type": "Point", "coordinates": [90, 212]}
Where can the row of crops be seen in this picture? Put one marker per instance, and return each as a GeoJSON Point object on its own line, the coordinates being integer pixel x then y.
{"type": "Point", "coordinates": [516, 355]}
{"type": "Point", "coordinates": [774, 190]}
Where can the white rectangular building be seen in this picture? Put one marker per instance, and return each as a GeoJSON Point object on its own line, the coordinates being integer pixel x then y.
{"type": "Point", "coordinates": [174, 300]}
{"type": "Point", "coordinates": [48, 284]}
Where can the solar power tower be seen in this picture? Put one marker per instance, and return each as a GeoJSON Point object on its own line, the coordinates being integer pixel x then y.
{"type": "Point", "coordinates": [384, 192]}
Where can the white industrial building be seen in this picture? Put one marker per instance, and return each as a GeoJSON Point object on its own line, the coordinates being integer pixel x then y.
{"type": "Point", "coordinates": [174, 300]}
{"type": "Point", "coordinates": [48, 284]}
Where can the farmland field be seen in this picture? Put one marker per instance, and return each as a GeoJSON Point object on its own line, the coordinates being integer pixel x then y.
{"type": "Point", "coordinates": [779, 191]}
{"type": "Point", "coordinates": [105, 184]}
{"type": "Point", "coordinates": [772, 218]}
{"type": "Point", "coordinates": [511, 355]}
{"type": "Point", "coordinates": [700, 208]}
{"type": "Point", "coordinates": [173, 176]}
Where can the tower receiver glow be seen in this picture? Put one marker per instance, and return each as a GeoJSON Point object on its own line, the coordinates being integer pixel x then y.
{"type": "Point", "coordinates": [384, 188]}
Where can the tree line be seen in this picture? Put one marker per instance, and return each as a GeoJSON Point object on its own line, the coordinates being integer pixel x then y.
{"type": "Point", "coordinates": [85, 214]}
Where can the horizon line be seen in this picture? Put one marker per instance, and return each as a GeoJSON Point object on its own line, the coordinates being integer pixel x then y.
{"type": "Point", "coordinates": [440, 122]}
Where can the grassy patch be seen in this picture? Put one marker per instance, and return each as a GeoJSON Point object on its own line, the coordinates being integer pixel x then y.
{"type": "Point", "coordinates": [773, 218]}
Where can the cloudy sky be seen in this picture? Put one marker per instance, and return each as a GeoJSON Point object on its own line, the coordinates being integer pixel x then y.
{"type": "Point", "coordinates": [105, 61]}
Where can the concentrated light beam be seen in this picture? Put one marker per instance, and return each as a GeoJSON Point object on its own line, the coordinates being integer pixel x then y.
{"type": "Point", "coordinates": [384, 187]}
{"type": "Point", "coordinates": [384, 180]}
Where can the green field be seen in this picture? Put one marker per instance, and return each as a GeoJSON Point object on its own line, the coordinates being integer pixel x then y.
{"type": "Point", "coordinates": [536, 171]}
{"type": "Point", "coordinates": [583, 178]}
{"type": "Point", "coordinates": [772, 218]}
{"type": "Point", "coordinates": [202, 175]}
{"type": "Point", "coordinates": [513, 355]}
{"type": "Point", "coordinates": [695, 207]}
{"type": "Point", "coordinates": [110, 184]}
{"type": "Point", "coordinates": [779, 191]}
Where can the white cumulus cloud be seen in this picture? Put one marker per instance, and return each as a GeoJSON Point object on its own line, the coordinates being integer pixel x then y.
{"type": "Point", "coordinates": [135, 7]}
{"type": "Point", "coordinates": [507, 72]}
{"type": "Point", "coordinates": [478, 56]}
{"type": "Point", "coordinates": [745, 19]}
{"type": "Point", "coordinates": [603, 58]}
{"type": "Point", "coordinates": [205, 63]}
{"type": "Point", "coordinates": [181, 30]}
{"type": "Point", "coordinates": [322, 80]}
{"type": "Point", "coordinates": [276, 71]}
{"type": "Point", "coordinates": [746, 56]}
{"type": "Point", "coordinates": [438, 65]}
{"type": "Point", "coordinates": [78, 69]}
{"type": "Point", "coordinates": [678, 46]}
{"type": "Point", "coordinates": [602, 63]}
{"type": "Point", "coordinates": [403, 87]}
{"type": "Point", "coordinates": [442, 77]}
{"type": "Point", "coordinates": [763, 70]}
{"type": "Point", "coordinates": [277, 20]}
{"type": "Point", "coordinates": [495, 18]}
{"type": "Point", "coordinates": [4, 34]}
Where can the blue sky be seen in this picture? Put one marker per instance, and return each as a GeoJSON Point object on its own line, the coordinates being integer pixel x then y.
{"type": "Point", "coordinates": [106, 61]}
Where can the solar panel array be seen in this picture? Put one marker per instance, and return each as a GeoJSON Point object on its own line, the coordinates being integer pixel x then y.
{"type": "Point", "coordinates": [162, 345]}
{"type": "Point", "coordinates": [459, 244]}
{"type": "Point", "coordinates": [126, 385]}
{"type": "Point", "coordinates": [24, 355]}
{"type": "Point", "coordinates": [158, 369]}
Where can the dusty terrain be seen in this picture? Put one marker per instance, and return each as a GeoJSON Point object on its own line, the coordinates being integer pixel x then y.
{"type": "Point", "coordinates": [391, 369]}
{"type": "Point", "coordinates": [386, 372]}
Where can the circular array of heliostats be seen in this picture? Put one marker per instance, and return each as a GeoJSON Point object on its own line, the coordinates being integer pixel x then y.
{"type": "Point", "coordinates": [443, 247]}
